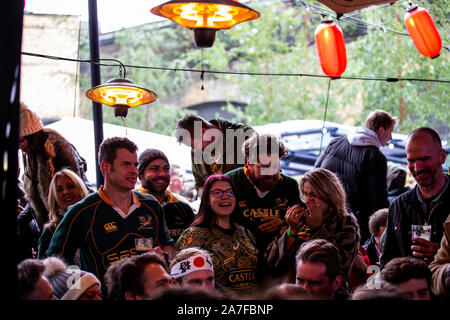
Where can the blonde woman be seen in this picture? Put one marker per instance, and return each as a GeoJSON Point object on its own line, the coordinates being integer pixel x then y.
{"type": "Point", "coordinates": [326, 217]}
{"type": "Point", "coordinates": [66, 189]}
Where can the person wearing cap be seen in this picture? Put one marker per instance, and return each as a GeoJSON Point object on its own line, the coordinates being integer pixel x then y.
{"type": "Point", "coordinates": [104, 225]}
{"type": "Point", "coordinates": [193, 267]}
{"type": "Point", "coordinates": [71, 283]}
{"type": "Point", "coordinates": [154, 174]}
{"type": "Point", "coordinates": [45, 151]}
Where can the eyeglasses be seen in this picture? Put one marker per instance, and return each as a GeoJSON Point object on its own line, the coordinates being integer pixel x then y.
{"type": "Point", "coordinates": [220, 193]}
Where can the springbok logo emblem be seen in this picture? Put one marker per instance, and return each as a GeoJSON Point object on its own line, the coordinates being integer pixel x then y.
{"type": "Point", "coordinates": [145, 222]}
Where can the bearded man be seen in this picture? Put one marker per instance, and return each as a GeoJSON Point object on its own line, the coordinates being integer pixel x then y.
{"type": "Point", "coordinates": [263, 193]}
{"type": "Point", "coordinates": [154, 174]}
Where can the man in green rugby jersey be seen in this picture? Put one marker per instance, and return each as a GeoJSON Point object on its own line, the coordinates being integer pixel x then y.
{"type": "Point", "coordinates": [105, 224]}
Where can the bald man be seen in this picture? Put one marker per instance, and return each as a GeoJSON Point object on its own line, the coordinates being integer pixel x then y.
{"type": "Point", "coordinates": [428, 204]}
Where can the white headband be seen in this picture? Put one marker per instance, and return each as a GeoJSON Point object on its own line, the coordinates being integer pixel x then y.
{"type": "Point", "coordinates": [195, 263]}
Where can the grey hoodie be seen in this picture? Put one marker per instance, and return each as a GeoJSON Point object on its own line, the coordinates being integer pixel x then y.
{"type": "Point", "coordinates": [364, 137]}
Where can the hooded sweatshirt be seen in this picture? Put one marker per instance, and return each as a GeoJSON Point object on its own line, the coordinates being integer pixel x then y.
{"type": "Point", "coordinates": [364, 137]}
{"type": "Point", "coordinates": [362, 168]}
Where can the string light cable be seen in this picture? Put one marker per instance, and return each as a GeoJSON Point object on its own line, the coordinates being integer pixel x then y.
{"type": "Point", "coordinates": [240, 73]}
{"type": "Point", "coordinates": [92, 61]}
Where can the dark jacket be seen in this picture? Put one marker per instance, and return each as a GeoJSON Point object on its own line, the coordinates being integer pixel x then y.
{"type": "Point", "coordinates": [201, 171]}
{"type": "Point", "coordinates": [407, 210]}
{"type": "Point", "coordinates": [27, 234]}
{"type": "Point", "coordinates": [362, 171]}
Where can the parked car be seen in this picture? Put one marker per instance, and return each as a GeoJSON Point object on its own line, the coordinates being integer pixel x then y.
{"type": "Point", "coordinates": [307, 139]}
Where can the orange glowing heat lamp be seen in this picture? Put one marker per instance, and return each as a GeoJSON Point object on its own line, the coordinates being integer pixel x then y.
{"type": "Point", "coordinates": [331, 50]}
{"type": "Point", "coordinates": [423, 32]}
{"type": "Point", "coordinates": [121, 94]}
{"type": "Point", "coordinates": [205, 17]}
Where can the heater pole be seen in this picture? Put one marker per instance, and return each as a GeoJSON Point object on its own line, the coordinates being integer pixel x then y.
{"type": "Point", "coordinates": [10, 62]}
{"type": "Point", "coordinates": [95, 81]}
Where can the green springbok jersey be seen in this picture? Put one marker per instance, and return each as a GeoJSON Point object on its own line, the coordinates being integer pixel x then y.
{"type": "Point", "coordinates": [233, 254]}
{"type": "Point", "coordinates": [103, 235]}
{"type": "Point", "coordinates": [253, 208]}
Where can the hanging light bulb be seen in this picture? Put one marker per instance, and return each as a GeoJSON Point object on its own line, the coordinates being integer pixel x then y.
{"type": "Point", "coordinates": [423, 31]}
{"type": "Point", "coordinates": [205, 16]}
{"type": "Point", "coordinates": [121, 94]}
{"type": "Point", "coordinates": [331, 50]}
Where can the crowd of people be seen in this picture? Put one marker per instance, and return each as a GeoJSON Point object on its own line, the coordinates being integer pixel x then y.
{"type": "Point", "coordinates": [350, 229]}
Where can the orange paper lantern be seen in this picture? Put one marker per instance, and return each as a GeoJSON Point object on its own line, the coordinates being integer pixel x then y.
{"type": "Point", "coordinates": [331, 48]}
{"type": "Point", "coordinates": [423, 32]}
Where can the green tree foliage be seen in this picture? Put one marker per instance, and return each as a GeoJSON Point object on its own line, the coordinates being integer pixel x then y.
{"type": "Point", "coordinates": [387, 54]}
{"type": "Point", "coordinates": [281, 41]}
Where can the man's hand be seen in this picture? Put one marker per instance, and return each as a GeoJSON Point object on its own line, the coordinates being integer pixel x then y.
{"type": "Point", "coordinates": [271, 224]}
{"type": "Point", "coordinates": [425, 249]}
